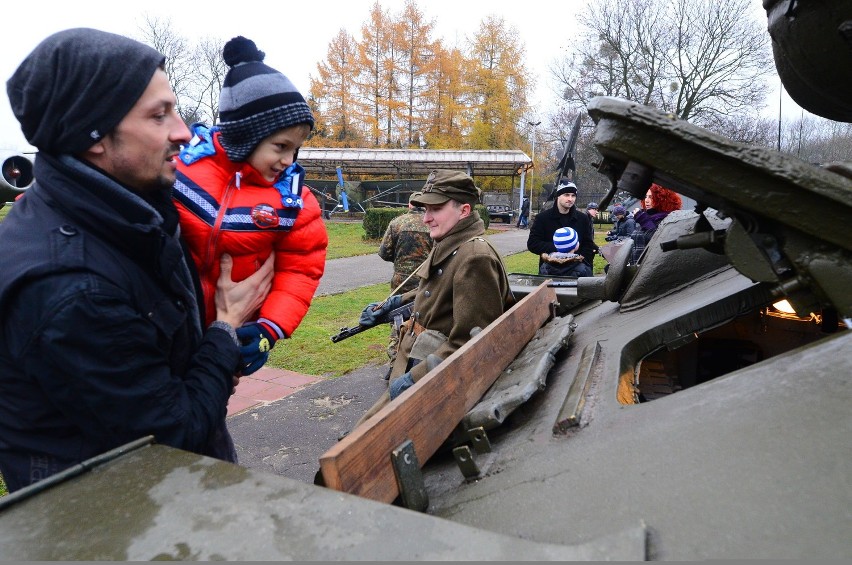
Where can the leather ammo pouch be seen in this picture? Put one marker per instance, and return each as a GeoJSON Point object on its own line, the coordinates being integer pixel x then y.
{"type": "Point", "coordinates": [426, 342]}
{"type": "Point", "coordinates": [411, 325]}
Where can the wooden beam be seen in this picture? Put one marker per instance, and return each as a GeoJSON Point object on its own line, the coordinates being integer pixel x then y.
{"type": "Point", "coordinates": [428, 412]}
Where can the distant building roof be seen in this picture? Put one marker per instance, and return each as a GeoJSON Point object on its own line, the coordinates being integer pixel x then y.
{"type": "Point", "coordinates": [319, 161]}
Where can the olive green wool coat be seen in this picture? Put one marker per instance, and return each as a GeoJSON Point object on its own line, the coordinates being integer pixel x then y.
{"type": "Point", "coordinates": [463, 285]}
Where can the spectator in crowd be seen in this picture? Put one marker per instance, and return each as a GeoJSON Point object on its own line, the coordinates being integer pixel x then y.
{"type": "Point", "coordinates": [564, 214]}
{"type": "Point", "coordinates": [240, 191]}
{"type": "Point", "coordinates": [592, 211]}
{"type": "Point", "coordinates": [103, 342]}
{"type": "Point", "coordinates": [659, 202]}
{"type": "Point", "coordinates": [623, 225]}
{"type": "Point", "coordinates": [523, 217]}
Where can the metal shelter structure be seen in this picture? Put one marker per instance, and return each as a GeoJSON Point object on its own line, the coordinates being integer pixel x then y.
{"type": "Point", "coordinates": [412, 163]}
{"type": "Point", "coordinates": [326, 163]}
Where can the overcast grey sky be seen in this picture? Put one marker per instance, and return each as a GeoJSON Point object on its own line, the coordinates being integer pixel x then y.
{"type": "Point", "coordinates": [295, 36]}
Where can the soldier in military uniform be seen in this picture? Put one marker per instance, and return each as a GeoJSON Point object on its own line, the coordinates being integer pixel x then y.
{"type": "Point", "coordinates": [407, 243]}
{"type": "Point", "coordinates": [463, 283]}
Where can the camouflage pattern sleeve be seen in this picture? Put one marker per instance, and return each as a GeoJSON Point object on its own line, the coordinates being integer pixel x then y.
{"type": "Point", "coordinates": [412, 247]}
{"type": "Point", "coordinates": [388, 245]}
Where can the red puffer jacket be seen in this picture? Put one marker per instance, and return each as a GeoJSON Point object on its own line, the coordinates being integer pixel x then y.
{"type": "Point", "coordinates": [228, 207]}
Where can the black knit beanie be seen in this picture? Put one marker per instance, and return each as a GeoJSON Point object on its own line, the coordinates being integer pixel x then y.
{"type": "Point", "coordinates": [77, 85]}
{"type": "Point", "coordinates": [256, 100]}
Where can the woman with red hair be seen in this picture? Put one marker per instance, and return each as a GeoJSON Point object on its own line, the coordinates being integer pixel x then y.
{"type": "Point", "coordinates": [658, 203]}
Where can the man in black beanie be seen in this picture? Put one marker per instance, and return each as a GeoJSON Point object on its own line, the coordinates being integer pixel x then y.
{"type": "Point", "coordinates": [102, 340]}
{"type": "Point", "coordinates": [563, 214]}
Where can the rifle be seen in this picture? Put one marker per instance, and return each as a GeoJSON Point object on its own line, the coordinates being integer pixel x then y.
{"type": "Point", "coordinates": [397, 316]}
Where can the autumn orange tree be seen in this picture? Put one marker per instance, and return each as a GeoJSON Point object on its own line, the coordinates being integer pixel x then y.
{"type": "Point", "coordinates": [399, 86]}
{"type": "Point", "coordinates": [332, 96]}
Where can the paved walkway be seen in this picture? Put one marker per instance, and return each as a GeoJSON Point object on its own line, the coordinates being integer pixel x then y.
{"type": "Point", "coordinates": [268, 385]}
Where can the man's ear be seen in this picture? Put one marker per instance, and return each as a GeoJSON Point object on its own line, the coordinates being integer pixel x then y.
{"type": "Point", "coordinates": [95, 150]}
{"type": "Point", "coordinates": [466, 210]}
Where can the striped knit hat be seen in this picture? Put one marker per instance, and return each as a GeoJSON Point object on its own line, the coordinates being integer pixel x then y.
{"type": "Point", "coordinates": [256, 100]}
{"type": "Point", "coordinates": [566, 240]}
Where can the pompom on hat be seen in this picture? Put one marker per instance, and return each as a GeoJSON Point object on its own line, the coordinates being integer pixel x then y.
{"type": "Point", "coordinates": [77, 85]}
{"type": "Point", "coordinates": [566, 240]}
{"type": "Point", "coordinates": [256, 100]}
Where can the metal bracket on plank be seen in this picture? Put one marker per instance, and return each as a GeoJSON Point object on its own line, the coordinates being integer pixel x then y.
{"type": "Point", "coordinates": [409, 477]}
{"type": "Point", "coordinates": [464, 455]}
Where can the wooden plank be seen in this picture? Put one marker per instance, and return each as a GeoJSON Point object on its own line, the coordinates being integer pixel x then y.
{"type": "Point", "coordinates": [429, 411]}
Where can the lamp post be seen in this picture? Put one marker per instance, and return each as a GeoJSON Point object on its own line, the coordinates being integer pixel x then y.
{"type": "Point", "coordinates": [532, 125]}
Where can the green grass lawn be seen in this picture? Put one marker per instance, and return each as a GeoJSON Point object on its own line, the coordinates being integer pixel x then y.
{"type": "Point", "coordinates": [310, 349]}
{"type": "Point", "coordinates": [346, 239]}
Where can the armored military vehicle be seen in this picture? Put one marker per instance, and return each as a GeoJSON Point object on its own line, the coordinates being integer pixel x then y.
{"type": "Point", "coordinates": [694, 405]}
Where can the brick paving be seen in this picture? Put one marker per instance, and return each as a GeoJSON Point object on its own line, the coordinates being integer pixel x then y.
{"type": "Point", "coordinates": [266, 385]}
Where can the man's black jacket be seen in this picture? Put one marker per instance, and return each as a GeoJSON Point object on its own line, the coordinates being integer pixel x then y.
{"type": "Point", "coordinates": [100, 338]}
{"type": "Point", "coordinates": [548, 221]}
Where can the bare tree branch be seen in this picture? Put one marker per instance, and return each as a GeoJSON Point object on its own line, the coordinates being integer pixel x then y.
{"type": "Point", "coordinates": [705, 61]}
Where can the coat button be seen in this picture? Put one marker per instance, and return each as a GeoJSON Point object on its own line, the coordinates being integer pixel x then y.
{"type": "Point", "coordinates": [440, 272]}
{"type": "Point", "coordinates": [65, 229]}
{"type": "Point", "coordinates": [417, 315]}
{"type": "Point", "coordinates": [427, 294]}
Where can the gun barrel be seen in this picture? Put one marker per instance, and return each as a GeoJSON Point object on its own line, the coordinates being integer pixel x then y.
{"type": "Point", "coordinates": [347, 332]}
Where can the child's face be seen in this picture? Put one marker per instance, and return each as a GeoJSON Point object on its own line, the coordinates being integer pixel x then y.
{"type": "Point", "coordinates": [278, 151]}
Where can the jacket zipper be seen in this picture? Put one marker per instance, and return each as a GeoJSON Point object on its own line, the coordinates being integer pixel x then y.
{"type": "Point", "coordinates": [215, 231]}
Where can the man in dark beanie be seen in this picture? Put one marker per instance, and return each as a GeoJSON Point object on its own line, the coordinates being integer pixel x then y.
{"type": "Point", "coordinates": [564, 214]}
{"type": "Point", "coordinates": [240, 192]}
{"type": "Point", "coordinates": [462, 284]}
{"type": "Point", "coordinates": [102, 337]}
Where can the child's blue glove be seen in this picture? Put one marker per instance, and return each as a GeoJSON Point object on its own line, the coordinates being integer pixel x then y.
{"type": "Point", "coordinates": [400, 385]}
{"type": "Point", "coordinates": [257, 341]}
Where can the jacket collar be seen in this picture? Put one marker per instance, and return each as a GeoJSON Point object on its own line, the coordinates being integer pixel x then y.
{"type": "Point", "coordinates": [463, 231]}
{"type": "Point", "coordinates": [248, 174]}
{"type": "Point", "coordinates": [99, 204]}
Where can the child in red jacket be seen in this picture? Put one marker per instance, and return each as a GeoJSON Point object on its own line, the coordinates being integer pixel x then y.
{"type": "Point", "coordinates": [240, 191]}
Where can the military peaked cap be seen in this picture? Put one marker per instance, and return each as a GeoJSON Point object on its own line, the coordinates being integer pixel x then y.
{"type": "Point", "coordinates": [442, 185]}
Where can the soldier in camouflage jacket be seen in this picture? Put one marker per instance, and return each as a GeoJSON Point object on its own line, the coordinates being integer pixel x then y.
{"type": "Point", "coordinates": [407, 243]}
